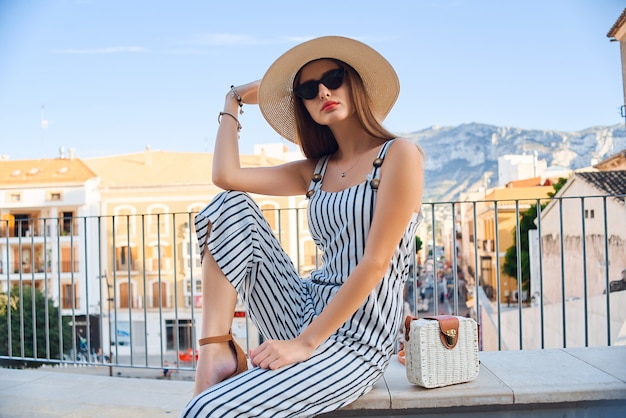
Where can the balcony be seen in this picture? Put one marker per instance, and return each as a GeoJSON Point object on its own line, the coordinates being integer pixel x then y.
{"type": "Point", "coordinates": [34, 225]}
{"type": "Point", "coordinates": [33, 247]}
{"type": "Point", "coordinates": [569, 326]}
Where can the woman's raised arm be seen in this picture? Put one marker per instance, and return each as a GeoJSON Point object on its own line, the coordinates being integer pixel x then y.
{"type": "Point", "coordinates": [283, 180]}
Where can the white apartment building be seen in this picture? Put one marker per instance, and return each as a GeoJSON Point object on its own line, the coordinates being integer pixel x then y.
{"type": "Point", "coordinates": [48, 208]}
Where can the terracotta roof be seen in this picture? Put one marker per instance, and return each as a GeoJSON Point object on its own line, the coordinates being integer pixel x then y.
{"type": "Point", "coordinates": [609, 182]}
{"type": "Point", "coordinates": [615, 158]}
{"type": "Point", "coordinates": [45, 171]}
{"type": "Point", "coordinates": [162, 168]}
{"type": "Point", "coordinates": [531, 182]}
{"type": "Point", "coordinates": [618, 23]}
{"type": "Point", "coordinates": [519, 193]}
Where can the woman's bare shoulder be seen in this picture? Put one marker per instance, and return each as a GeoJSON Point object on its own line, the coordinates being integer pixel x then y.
{"type": "Point", "coordinates": [407, 148]}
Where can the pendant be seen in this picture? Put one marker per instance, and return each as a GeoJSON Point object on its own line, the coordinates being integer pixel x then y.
{"type": "Point", "coordinates": [343, 174]}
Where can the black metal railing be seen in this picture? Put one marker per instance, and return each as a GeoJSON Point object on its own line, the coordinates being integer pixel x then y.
{"type": "Point", "coordinates": [125, 290]}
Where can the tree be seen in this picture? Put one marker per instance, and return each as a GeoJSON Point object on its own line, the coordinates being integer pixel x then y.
{"type": "Point", "coordinates": [509, 267]}
{"type": "Point", "coordinates": [557, 186]}
{"type": "Point", "coordinates": [12, 305]}
{"type": "Point", "coordinates": [418, 244]}
{"type": "Point", "coordinates": [526, 223]}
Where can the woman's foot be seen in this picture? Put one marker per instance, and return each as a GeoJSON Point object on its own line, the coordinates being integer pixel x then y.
{"type": "Point", "coordinates": [216, 362]}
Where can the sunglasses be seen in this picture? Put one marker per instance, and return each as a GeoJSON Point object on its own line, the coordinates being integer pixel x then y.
{"type": "Point", "coordinates": [332, 79]}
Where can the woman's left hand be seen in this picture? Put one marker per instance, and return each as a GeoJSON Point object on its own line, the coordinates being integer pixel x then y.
{"type": "Point", "coordinates": [248, 92]}
{"type": "Point", "coordinates": [273, 354]}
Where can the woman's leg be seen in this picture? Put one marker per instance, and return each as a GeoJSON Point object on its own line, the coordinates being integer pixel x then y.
{"type": "Point", "coordinates": [216, 361]}
{"type": "Point", "coordinates": [241, 255]}
{"type": "Point", "coordinates": [334, 376]}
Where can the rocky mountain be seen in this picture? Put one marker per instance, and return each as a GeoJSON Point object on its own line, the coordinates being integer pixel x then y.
{"type": "Point", "coordinates": [460, 158]}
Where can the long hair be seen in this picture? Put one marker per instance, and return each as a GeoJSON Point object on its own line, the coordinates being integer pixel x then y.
{"type": "Point", "coordinates": [318, 140]}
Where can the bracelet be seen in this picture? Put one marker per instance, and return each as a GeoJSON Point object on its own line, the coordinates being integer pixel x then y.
{"type": "Point", "coordinates": [237, 97]}
{"type": "Point", "coordinates": [219, 119]}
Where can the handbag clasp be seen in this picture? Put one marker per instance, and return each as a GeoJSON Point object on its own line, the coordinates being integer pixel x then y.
{"type": "Point", "coordinates": [448, 329]}
{"type": "Point", "coordinates": [451, 337]}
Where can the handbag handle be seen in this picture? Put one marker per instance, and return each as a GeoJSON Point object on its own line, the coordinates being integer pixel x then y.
{"type": "Point", "coordinates": [407, 326]}
{"type": "Point", "coordinates": [448, 329]}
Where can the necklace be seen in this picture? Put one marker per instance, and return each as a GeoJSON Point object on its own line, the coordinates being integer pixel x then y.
{"type": "Point", "coordinates": [343, 173]}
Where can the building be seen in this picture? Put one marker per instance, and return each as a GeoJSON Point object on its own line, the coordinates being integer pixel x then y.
{"type": "Point", "coordinates": [118, 232]}
{"type": "Point", "coordinates": [515, 167]}
{"type": "Point", "coordinates": [597, 201]}
{"type": "Point", "coordinates": [496, 221]}
{"type": "Point", "coordinates": [49, 208]}
{"type": "Point", "coordinates": [151, 260]}
{"type": "Point", "coordinates": [613, 163]}
{"type": "Point", "coordinates": [617, 33]}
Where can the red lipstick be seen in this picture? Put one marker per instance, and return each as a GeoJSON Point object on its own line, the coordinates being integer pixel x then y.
{"type": "Point", "coordinates": [329, 105]}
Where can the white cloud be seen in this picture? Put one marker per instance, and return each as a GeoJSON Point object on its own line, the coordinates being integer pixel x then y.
{"type": "Point", "coordinates": [185, 51]}
{"type": "Point", "coordinates": [106, 50]}
{"type": "Point", "coordinates": [224, 39]}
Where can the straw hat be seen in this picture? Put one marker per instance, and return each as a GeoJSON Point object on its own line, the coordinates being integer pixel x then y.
{"type": "Point", "coordinates": [276, 98]}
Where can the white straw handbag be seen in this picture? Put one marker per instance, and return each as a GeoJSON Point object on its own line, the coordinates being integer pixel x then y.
{"type": "Point", "coordinates": [441, 350]}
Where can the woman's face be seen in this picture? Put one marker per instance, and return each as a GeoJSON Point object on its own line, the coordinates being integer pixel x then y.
{"type": "Point", "coordinates": [329, 106]}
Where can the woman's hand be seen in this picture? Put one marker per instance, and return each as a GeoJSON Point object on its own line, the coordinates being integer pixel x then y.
{"type": "Point", "coordinates": [248, 92]}
{"type": "Point", "coordinates": [273, 354]}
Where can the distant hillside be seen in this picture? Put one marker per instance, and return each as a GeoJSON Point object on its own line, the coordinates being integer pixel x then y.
{"type": "Point", "coordinates": [460, 157]}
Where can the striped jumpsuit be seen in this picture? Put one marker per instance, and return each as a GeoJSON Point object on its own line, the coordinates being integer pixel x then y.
{"type": "Point", "coordinates": [348, 364]}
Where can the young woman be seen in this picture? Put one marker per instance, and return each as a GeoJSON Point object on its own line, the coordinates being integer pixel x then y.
{"type": "Point", "coordinates": [328, 337]}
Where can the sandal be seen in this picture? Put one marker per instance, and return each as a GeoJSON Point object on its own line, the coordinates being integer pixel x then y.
{"type": "Point", "coordinates": [242, 361]}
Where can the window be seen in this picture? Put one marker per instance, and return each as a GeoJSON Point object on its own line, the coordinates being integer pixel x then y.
{"type": "Point", "coordinates": [69, 259]}
{"type": "Point", "coordinates": [159, 295]}
{"type": "Point", "coordinates": [126, 295]}
{"type": "Point", "coordinates": [66, 223]}
{"type": "Point", "coordinates": [70, 296]}
{"type": "Point", "coordinates": [22, 225]}
{"type": "Point", "coordinates": [26, 260]}
{"type": "Point", "coordinates": [590, 214]}
{"type": "Point", "coordinates": [125, 257]}
{"type": "Point", "coordinates": [197, 293]}
{"type": "Point", "coordinates": [179, 334]}
{"type": "Point", "coordinates": [197, 289]}
{"type": "Point", "coordinates": [154, 256]}
{"type": "Point", "coordinates": [55, 196]}
{"type": "Point", "coordinates": [191, 253]}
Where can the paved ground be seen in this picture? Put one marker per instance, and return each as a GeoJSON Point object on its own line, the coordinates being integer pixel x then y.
{"type": "Point", "coordinates": [70, 393]}
{"type": "Point", "coordinates": [127, 372]}
{"type": "Point", "coordinates": [568, 377]}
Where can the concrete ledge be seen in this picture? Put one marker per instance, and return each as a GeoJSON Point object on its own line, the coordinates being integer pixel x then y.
{"type": "Point", "coordinates": [510, 383]}
{"type": "Point", "coordinates": [39, 393]}
{"type": "Point", "coordinates": [532, 379]}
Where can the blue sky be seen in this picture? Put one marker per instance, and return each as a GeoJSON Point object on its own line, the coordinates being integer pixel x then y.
{"type": "Point", "coordinates": [111, 76]}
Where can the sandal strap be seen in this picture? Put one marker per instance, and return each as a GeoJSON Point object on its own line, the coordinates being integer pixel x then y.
{"type": "Point", "coordinates": [218, 339]}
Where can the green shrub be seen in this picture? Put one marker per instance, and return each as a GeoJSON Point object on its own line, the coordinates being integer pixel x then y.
{"type": "Point", "coordinates": [33, 340]}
